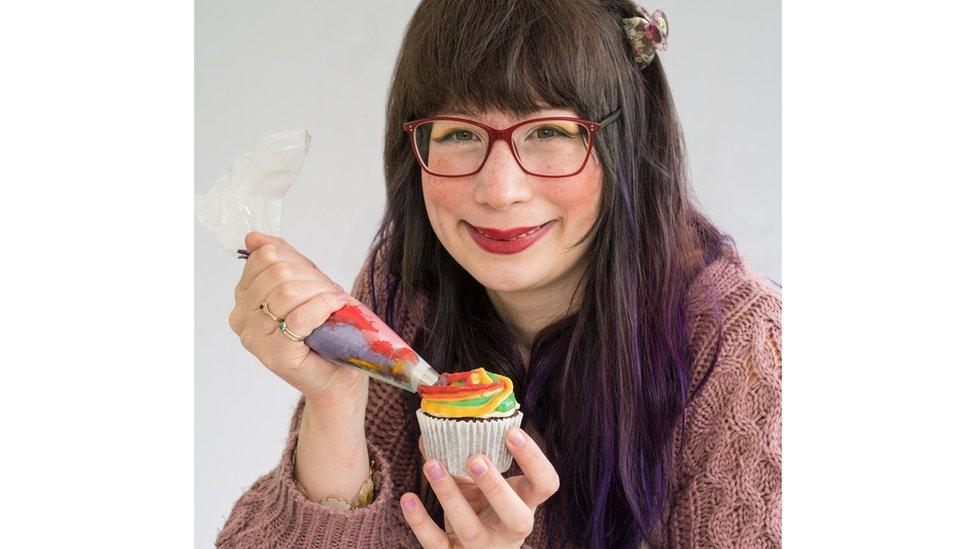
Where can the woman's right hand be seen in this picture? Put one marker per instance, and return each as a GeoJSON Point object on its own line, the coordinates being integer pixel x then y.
{"type": "Point", "coordinates": [297, 291]}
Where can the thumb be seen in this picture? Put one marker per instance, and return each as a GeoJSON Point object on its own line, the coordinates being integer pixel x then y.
{"type": "Point", "coordinates": [423, 447]}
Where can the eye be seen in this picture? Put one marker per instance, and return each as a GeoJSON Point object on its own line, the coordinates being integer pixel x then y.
{"type": "Point", "coordinates": [459, 135]}
{"type": "Point", "coordinates": [548, 132]}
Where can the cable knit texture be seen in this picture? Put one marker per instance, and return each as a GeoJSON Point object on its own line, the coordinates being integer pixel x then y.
{"type": "Point", "coordinates": [727, 479]}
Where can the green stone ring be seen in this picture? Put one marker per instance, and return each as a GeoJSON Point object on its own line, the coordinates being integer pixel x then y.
{"type": "Point", "coordinates": [288, 333]}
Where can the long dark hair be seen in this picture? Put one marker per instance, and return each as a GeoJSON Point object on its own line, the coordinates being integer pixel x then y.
{"type": "Point", "coordinates": [607, 385]}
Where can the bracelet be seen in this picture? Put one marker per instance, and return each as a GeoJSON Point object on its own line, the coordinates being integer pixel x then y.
{"type": "Point", "coordinates": [364, 498]}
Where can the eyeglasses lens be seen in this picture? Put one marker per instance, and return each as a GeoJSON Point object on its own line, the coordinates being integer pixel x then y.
{"type": "Point", "coordinates": [550, 147]}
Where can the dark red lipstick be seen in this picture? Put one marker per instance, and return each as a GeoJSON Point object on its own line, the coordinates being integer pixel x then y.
{"type": "Point", "coordinates": [507, 241]}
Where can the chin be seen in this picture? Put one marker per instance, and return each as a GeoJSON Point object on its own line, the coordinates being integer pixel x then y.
{"type": "Point", "coordinates": [505, 279]}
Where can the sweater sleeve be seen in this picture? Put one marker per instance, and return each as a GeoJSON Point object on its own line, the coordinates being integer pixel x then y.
{"type": "Point", "coordinates": [273, 513]}
{"type": "Point", "coordinates": [728, 485]}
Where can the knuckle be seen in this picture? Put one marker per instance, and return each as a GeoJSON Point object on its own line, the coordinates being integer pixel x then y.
{"type": "Point", "coordinates": [550, 484]}
{"type": "Point", "coordinates": [494, 486]}
{"type": "Point", "coordinates": [247, 338]}
{"type": "Point", "coordinates": [282, 271]}
{"type": "Point", "coordinates": [290, 291]}
{"type": "Point", "coordinates": [266, 254]}
{"type": "Point", "coordinates": [470, 532]}
{"type": "Point", "coordinates": [329, 303]}
{"type": "Point", "coordinates": [416, 523]}
{"type": "Point", "coordinates": [523, 525]}
{"type": "Point", "coordinates": [450, 493]}
{"type": "Point", "coordinates": [234, 321]}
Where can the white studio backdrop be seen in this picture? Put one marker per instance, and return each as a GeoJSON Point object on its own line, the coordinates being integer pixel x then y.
{"type": "Point", "coordinates": [264, 67]}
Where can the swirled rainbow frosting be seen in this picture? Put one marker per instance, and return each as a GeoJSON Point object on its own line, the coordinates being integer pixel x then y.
{"type": "Point", "coordinates": [476, 393]}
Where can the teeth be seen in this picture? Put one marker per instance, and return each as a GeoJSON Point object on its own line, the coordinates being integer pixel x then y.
{"type": "Point", "coordinates": [523, 235]}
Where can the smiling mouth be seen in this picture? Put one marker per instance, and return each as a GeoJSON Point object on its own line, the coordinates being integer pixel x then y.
{"type": "Point", "coordinates": [519, 236]}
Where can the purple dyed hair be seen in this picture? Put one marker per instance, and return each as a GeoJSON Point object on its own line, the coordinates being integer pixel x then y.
{"type": "Point", "coordinates": [607, 395]}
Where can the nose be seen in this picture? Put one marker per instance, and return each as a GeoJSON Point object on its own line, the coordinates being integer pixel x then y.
{"type": "Point", "coordinates": [501, 182]}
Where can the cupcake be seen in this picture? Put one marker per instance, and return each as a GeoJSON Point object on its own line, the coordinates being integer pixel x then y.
{"type": "Point", "coordinates": [470, 413]}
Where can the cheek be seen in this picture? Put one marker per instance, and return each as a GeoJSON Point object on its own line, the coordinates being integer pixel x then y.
{"type": "Point", "coordinates": [442, 200]}
{"type": "Point", "coordinates": [580, 200]}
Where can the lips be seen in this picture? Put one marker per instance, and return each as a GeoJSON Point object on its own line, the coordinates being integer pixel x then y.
{"type": "Point", "coordinates": [507, 241]}
{"type": "Point", "coordinates": [508, 234]}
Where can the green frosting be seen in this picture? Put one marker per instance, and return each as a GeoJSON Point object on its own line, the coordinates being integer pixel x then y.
{"type": "Point", "coordinates": [506, 405]}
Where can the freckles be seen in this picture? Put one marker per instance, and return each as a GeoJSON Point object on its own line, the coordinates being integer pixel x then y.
{"type": "Point", "coordinates": [442, 191]}
{"type": "Point", "coordinates": [444, 200]}
{"type": "Point", "coordinates": [583, 191]}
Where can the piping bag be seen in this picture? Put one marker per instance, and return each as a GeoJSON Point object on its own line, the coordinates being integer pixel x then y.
{"type": "Point", "coordinates": [249, 198]}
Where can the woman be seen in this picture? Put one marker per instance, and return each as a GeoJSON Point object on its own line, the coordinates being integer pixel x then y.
{"type": "Point", "coordinates": [565, 254]}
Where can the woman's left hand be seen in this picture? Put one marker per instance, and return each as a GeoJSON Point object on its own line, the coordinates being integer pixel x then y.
{"type": "Point", "coordinates": [495, 512]}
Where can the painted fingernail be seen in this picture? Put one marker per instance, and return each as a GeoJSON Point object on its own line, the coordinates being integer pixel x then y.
{"type": "Point", "coordinates": [478, 466]}
{"type": "Point", "coordinates": [409, 504]}
{"type": "Point", "coordinates": [516, 437]}
{"type": "Point", "coordinates": [435, 471]}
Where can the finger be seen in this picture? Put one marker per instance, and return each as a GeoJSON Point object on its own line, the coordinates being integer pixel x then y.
{"type": "Point", "coordinates": [543, 481]}
{"type": "Point", "coordinates": [270, 251]}
{"type": "Point", "coordinates": [300, 320]}
{"type": "Point", "coordinates": [467, 526]}
{"type": "Point", "coordinates": [428, 533]}
{"type": "Point", "coordinates": [285, 298]}
{"type": "Point", "coordinates": [277, 274]}
{"type": "Point", "coordinates": [288, 252]}
{"type": "Point", "coordinates": [313, 313]}
{"type": "Point", "coordinates": [423, 447]}
{"type": "Point", "coordinates": [288, 359]}
{"type": "Point", "coordinates": [515, 515]}
{"type": "Point", "coordinates": [291, 360]}
{"type": "Point", "coordinates": [260, 259]}
{"type": "Point", "coordinates": [260, 325]}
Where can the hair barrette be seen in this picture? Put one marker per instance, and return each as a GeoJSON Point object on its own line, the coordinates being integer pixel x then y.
{"type": "Point", "coordinates": [647, 33]}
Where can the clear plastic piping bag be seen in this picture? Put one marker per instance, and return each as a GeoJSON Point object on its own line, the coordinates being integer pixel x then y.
{"type": "Point", "coordinates": [249, 198]}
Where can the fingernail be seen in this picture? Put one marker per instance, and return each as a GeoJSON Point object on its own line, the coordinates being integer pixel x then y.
{"type": "Point", "coordinates": [340, 293]}
{"type": "Point", "coordinates": [478, 466]}
{"type": "Point", "coordinates": [516, 436]}
{"type": "Point", "coordinates": [435, 471]}
{"type": "Point", "coordinates": [409, 504]}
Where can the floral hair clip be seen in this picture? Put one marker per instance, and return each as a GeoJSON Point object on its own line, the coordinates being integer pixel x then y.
{"type": "Point", "coordinates": [647, 33]}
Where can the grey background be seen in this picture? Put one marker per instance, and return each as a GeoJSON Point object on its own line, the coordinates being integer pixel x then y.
{"type": "Point", "coordinates": [262, 67]}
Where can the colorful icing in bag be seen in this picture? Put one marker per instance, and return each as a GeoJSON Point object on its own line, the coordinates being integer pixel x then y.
{"type": "Point", "coordinates": [249, 198]}
{"type": "Point", "coordinates": [355, 336]}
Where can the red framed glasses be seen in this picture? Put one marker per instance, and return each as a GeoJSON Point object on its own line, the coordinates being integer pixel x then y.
{"type": "Point", "coordinates": [552, 146]}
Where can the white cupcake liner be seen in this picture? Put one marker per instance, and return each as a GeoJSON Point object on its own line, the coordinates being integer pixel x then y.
{"type": "Point", "coordinates": [452, 441]}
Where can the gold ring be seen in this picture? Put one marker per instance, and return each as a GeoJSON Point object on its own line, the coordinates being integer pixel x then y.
{"type": "Point", "coordinates": [288, 333]}
{"type": "Point", "coordinates": [264, 309]}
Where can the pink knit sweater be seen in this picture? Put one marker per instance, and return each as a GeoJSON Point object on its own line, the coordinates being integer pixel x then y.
{"type": "Point", "coordinates": [727, 478]}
